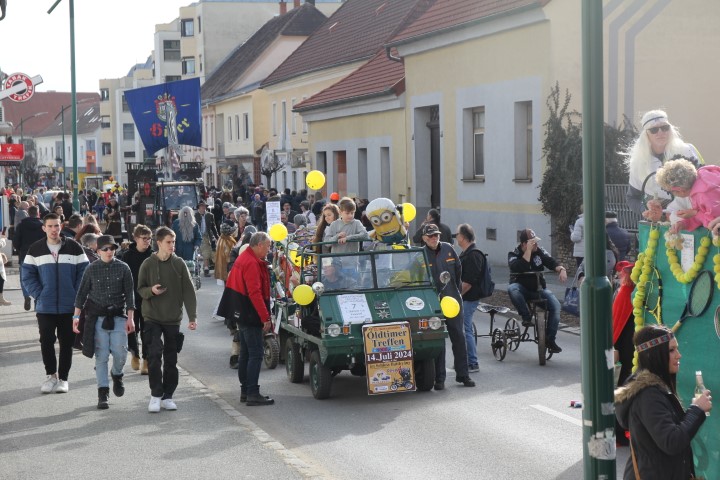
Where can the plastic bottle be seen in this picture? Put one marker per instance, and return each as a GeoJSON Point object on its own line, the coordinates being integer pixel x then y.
{"type": "Point", "coordinates": [700, 387]}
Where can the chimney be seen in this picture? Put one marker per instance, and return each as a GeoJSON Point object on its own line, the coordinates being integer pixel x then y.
{"type": "Point", "coordinates": [283, 7]}
{"type": "Point", "coordinates": [296, 3]}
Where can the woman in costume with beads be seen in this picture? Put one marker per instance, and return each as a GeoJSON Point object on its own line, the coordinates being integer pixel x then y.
{"type": "Point", "coordinates": [658, 142]}
{"type": "Point", "coordinates": [649, 407]}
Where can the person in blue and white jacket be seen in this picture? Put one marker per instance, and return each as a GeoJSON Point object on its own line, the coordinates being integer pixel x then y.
{"type": "Point", "coordinates": [51, 274]}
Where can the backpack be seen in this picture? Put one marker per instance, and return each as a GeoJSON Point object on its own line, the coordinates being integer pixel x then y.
{"type": "Point", "coordinates": [487, 287]}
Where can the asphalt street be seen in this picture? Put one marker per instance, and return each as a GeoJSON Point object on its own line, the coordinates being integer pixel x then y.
{"type": "Point", "coordinates": [516, 424]}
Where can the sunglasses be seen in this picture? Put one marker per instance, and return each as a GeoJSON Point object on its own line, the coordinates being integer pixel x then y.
{"type": "Point", "coordinates": [655, 130]}
{"type": "Point", "coordinates": [106, 249]}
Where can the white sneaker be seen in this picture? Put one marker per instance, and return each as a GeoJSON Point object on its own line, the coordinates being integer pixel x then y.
{"type": "Point", "coordinates": [62, 386]}
{"type": "Point", "coordinates": [168, 404]}
{"type": "Point", "coordinates": [154, 405]}
{"type": "Point", "coordinates": [49, 384]}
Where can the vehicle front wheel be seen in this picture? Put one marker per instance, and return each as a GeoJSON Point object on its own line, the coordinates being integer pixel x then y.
{"type": "Point", "coordinates": [294, 362]}
{"type": "Point", "coordinates": [271, 352]}
{"type": "Point", "coordinates": [425, 374]}
{"type": "Point", "coordinates": [320, 377]}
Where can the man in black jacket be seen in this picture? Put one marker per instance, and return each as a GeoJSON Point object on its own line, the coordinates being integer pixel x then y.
{"type": "Point", "coordinates": [442, 258]}
{"type": "Point", "coordinates": [473, 263]}
{"type": "Point", "coordinates": [526, 258]}
{"type": "Point", "coordinates": [28, 231]}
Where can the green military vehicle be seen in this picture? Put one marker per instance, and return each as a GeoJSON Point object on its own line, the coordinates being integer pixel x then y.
{"type": "Point", "coordinates": [351, 291]}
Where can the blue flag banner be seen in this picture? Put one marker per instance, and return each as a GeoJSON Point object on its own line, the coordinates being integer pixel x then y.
{"type": "Point", "coordinates": [167, 114]}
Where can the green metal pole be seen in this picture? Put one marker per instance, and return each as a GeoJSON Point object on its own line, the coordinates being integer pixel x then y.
{"type": "Point", "coordinates": [596, 292]}
{"type": "Point", "coordinates": [76, 202]}
{"type": "Point", "coordinates": [62, 123]}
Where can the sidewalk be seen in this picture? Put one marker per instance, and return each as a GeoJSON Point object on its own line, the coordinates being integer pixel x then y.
{"type": "Point", "coordinates": [64, 435]}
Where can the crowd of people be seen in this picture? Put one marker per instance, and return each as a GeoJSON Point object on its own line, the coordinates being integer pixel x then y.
{"type": "Point", "coordinates": [65, 262]}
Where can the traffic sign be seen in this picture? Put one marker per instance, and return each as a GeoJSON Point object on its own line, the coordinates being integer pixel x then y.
{"type": "Point", "coordinates": [11, 154]}
{"type": "Point", "coordinates": [20, 87]}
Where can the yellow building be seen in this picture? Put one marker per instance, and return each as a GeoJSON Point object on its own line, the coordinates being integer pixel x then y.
{"type": "Point", "coordinates": [477, 74]}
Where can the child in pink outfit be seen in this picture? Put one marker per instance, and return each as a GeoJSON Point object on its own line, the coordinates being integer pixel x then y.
{"type": "Point", "coordinates": [702, 186]}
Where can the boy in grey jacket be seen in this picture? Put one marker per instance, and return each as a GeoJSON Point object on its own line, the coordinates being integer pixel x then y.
{"type": "Point", "coordinates": [346, 228]}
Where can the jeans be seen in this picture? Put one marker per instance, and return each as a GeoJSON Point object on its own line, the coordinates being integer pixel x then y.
{"type": "Point", "coordinates": [106, 342]}
{"type": "Point", "coordinates": [250, 359]}
{"type": "Point", "coordinates": [162, 358]}
{"type": "Point", "coordinates": [460, 357]}
{"type": "Point", "coordinates": [469, 308]}
{"type": "Point", "coordinates": [519, 296]}
{"type": "Point", "coordinates": [48, 325]}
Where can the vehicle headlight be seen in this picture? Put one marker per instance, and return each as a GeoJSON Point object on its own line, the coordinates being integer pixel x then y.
{"type": "Point", "coordinates": [334, 330]}
{"type": "Point", "coordinates": [435, 323]}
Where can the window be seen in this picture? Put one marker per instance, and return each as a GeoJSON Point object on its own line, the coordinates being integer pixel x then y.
{"type": "Point", "coordinates": [274, 119]}
{"type": "Point", "coordinates": [293, 127]}
{"type": "Point", "coordinates": [285, 184]}
{"type": "Point", "coordinates": [128, 131]}
{"type": "Point", "coordinates": [172, 78]}
{"type": "Point", "coordinates": [200, 62]}
{"type": "Point", "coordinates": [229, 128]}
{"type": "Point", "coordinates": [362, 165]}
{"type": "Point", "coordinates": [128, 154]}
{"type": "Point", "coordinates": [188, 65]}
{"type": "Point", "coordinates": [171, 50]}
{"type": "Point", "coordinates": [385, 172]}
{"type": "Point", "coordinates": [523, 141]}
{"type": "Point", "coordinates": [283, 124]}
{"type": "Point", "coordinates": [474, 144]}
{"type": "Point", "coordinates": [237, 127]}
{"type": "Point", "coordinates": [104, 94]}
{"type": "Point", "coordinates": [125, 107]}
{"type": "Point", "coordinates": [304, 124]}
{"type": "Point", "coordinates": [294, 180]}
{"type": "Point", "coordinates": [90, 145]}
{"type": "Point", "coordinates": [106, 149]}
{"type": "Point", "coordinates": [187, 27]}
{"type": "Point", "coordinates": [478, 142]}
{"type": "Point", "coordinates": [246, 126]}
{"type": "Point", "coordinates": [199, 24]}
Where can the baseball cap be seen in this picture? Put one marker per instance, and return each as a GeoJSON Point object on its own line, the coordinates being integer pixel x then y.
{"type": "Point", "coordinates": [335, 196]}
{"type": "Point", "coordinates": [226, 205]}
{"type": "Point", "coordinates": [528, 234]}
{"type": "Point", "coordinates": [430, 229]}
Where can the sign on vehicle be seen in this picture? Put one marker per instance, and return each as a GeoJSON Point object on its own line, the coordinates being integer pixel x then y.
{"type": "Point", "coordinates": [389, 358]}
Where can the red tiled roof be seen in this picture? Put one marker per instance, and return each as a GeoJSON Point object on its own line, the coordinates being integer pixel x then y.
{"type": "Point", "coordinates": [356, 31]}
{"type": "Point", "coordinates": [380, 76]}
{"type": "Point", "coordinates": [446, 14]}
{"type": "Point", "coordinates": [50, 102]}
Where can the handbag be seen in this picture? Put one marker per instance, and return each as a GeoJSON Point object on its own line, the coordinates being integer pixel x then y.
{"type": "Point", "coordinates": [571, 303]}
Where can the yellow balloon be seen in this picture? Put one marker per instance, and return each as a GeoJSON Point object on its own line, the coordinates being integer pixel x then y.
{"type": "Point", "coordinates": [303, 294]}
{"type": "Point", "coordinates": [409, 211]}
{"type": "Point", "coordinates": [315, 180]}
{"type": "Point", "coordinates": [450, 307]}
{"type": "Point", "coordinates": [278, 232]}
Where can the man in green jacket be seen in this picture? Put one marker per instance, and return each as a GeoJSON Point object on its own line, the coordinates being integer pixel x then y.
{"type": "Point", "coordinates": [165, 286]}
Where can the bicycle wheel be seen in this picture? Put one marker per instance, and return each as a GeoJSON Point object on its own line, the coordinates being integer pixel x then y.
{"type": "Point", "coordinates": [512, 332]}
{"type": "Point", "coordinates": [499, 344]}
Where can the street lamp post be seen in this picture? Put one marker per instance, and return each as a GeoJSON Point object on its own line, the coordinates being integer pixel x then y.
{"type": "Point", "coordinates": [22, 134]}
{"type": "Point", "coordinates": [73, 90]}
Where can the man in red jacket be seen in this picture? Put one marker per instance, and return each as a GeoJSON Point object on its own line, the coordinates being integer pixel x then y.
{"type": "Point", "coordinates": [247, 299]}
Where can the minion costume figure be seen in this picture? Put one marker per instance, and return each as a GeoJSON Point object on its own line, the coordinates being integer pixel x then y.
{"type": "Point", "coordinates": [384, 216]}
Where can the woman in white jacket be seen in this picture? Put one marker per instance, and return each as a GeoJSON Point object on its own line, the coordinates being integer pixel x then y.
{"type": "Point", "coordinates": [577, 235]}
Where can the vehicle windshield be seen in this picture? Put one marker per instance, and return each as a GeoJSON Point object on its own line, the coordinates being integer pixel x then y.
{"type": "Point", "coordinates": [178, 196]}
{"type": "Point", "coordinates": [372, 270]}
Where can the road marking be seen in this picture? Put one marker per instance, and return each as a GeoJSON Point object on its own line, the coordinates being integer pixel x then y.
{"type": "Point", "coordinates": [561, 416]}
{"type": "Point", "coordinates": [304, 469]}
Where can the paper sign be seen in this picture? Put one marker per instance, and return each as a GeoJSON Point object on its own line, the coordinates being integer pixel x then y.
{"type": "Point", "coordinates": [354, 308]}
{"type": "Point", "coordinates": [272, 211]}
{"type": "Point", "coordinates": [687, 256]}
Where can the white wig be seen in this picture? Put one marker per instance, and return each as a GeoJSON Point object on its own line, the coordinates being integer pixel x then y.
{"type": "Point", "coordinates": [641, 160]}
{"type": "Point", "coordinates": [186, 218]}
